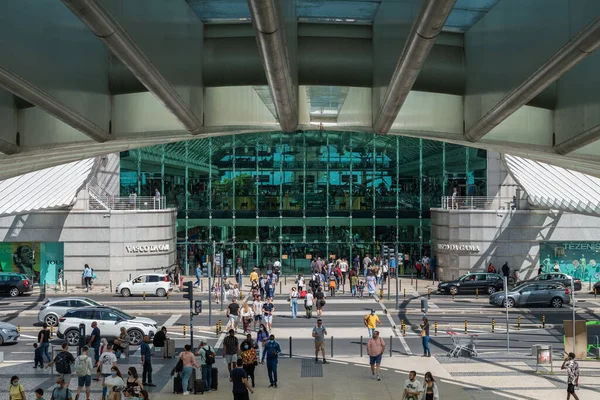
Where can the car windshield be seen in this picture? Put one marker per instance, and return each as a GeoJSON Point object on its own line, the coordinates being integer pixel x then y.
{"type": "Point", "coordinates": [465, 277]}
{"type": "Point", "coordinates": [93, 302]}
{"type": "Point", "coordinates": [122, 313]}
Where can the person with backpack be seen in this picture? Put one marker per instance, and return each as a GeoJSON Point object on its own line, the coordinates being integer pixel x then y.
{"type": "Point", "coordinates": [83, 369]}
{"type": "Point", "coordinates": [61, 391]}
{"type": "Point", "coordinates": [207, 356]}
{"type": "Point", "coordinates": [63, 361]}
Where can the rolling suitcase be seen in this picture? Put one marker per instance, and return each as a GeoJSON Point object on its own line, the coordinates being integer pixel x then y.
{"type": "Point", "coordinates": [215, 378]}
{"type": "Point", "coordinates": [177, 384]}
{"type": "Point", "coordinates": [169, 349]}
{"type": "Point", "coordinates": [199, 386]}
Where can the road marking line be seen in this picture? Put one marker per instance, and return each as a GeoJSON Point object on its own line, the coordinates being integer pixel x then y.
{"type": "Point", "coordinates": [28, 336]}
{"type": "Point", "coordinates": [172, 320]}
{"type": "Point", "coordinates": [393, 324]}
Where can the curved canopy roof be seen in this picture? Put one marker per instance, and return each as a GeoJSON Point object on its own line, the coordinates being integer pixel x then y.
{"type": "Point", "coordinates": [54, 187]}
{"type": "Point", "coordinates": [554, 187]}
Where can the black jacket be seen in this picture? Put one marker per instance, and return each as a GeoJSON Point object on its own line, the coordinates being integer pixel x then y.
{"type": "Point", "coordinates": [159, 339]}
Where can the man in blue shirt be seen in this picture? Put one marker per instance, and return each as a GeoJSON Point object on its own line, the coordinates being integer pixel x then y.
{"type": "Point", "coordinates": [271, 351]}
{"type": "Point", "coordinates": [198, 275]}
{"type": "Point", "coordinates": [95, 341]}
{"type": "Point", "coordinates": [146, 362]}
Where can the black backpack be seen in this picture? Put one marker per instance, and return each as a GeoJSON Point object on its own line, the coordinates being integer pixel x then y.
{"type": "Point", "coordinates": [63, 366]}
{"type": "Point", "coordinates": [209, 356]}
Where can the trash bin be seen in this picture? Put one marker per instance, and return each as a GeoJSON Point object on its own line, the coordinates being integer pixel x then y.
{"type": "Point", "coordinates": [424, 305]}
{"type": "Point", "coordinates": [534, 349]}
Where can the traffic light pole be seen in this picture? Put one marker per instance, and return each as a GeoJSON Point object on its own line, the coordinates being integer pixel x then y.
{"type": "Point", "coordinates": [210, 269]}
{"type": "Point", "coordinates": [189, 294]}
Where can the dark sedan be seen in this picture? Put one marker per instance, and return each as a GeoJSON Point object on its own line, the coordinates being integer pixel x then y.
{"type": "Point", "coordinates": [470, 283]}
{"type": "Point", "coordinates": [13, 284]}
{"type": "Point", "coordinates": [557, 277]}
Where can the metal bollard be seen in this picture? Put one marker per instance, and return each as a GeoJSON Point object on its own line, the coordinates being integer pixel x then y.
{"type": "Point", "coordinates": [380, 294]}
{"type": "Point", "coordinates": [466, 324]}
{"type": "Point", "coordinates": [184, 330]}
{"type": "Point", "coordinates": [476, 293]}
{"type": "Point", "coordinates": [110, 284]}
{"type": "Point", "coordinates": [280, 286]}
{"type": "Point", "coordinates": [241, 295]}
{"type": "Point", "coordinates": [66, 283]}
{"type": "Point", "coordinates": [452, 296]}
{"type": "Point", "coordinates": [285, 279]}
{"type": "Point", "coordinates": [519, 323]}
{"type": "Point", "coordinates": [217, 329]}
{"type": "Point", "coordinates": [411, 278]}
{"type": "Point", "coordinates": [290, 347]}
{"type": "Point", "coordinates": [332, 347]}
{"type": "Point", "coordinates": [543, 321]}
{"type": "Point", "coordinates": [416, 284]}
{"type": "Point", "coordinates": [361, 346]}
{"type": "Point", "coordinates": [201, 285]}
{"type": "Point", "coordinates": [405, 294]}
{"type": "Point", "coordinates": [391, 343]}
{"type": "Point", "coordinates": [435, 328]}
{"type": "Point", "coordinates": [19, 328]}
{"type": "Point", "coordinates": [493, 325]}
{"type": "Point", "coordinates": [428, 294]}
{"type": "Point", "coordinates": [595, 292]}
{"type": "Point", "coordinates": [51, 332]}
{"type": "Point", "coordinates": [144, 296]}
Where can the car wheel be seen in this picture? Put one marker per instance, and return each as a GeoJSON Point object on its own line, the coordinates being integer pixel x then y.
{"type": "Point", "coordinates": [453, 290]}
{"type": "Point", "coordinates": [556, 302]}
{"type": "Point", "coordinates": [491, 289]}
{"type": "Point", "coordinates": [135, 337]}
{"type": "Point", "coordinates": [14, 292]}
{"type": "Point", "coordinates": [161, 292]}
{"type": "Point", "coordinates": [125, 292]}
{"type": "Point", "coordinates": [72, 337]}
{"type": "Point", "coordinates": [511, 303]}
{"type": "Point", "coordinates": [51, 320]}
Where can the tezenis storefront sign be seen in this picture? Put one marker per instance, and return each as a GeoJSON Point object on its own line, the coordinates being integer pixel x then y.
{"type": "Point", "coordinates": [156, 248]}
{"type": "Point", "coordinates": [462, 248]}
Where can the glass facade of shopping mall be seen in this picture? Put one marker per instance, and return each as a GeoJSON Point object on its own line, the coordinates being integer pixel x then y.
{"type": "Point", "coordinates": [293, 196]}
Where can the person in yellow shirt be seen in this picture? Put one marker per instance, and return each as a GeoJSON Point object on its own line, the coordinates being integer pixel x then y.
{"type": "Point", "coordinates": [254, 276]}
{"type": "Point", "coordinates": [371, 321]}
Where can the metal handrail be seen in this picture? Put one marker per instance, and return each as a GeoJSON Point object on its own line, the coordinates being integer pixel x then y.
{"type": "Point", "coordinates": [478, 203]}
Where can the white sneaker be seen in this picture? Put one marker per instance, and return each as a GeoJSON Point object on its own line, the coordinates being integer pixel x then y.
{"type": "Point", "coordinates": [373, 375]}
{"type": "Point", "coordinates": [186, 393]}
{"type": "Point", "coordinates": [378, 378]}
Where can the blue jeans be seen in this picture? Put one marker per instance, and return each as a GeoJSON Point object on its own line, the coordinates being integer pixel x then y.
{"type": "Point", "coordinates": [197, 280]}
{"type": "Point", "coordinates": [426, 350]}
{"type": "Point", "coordinates": [272, 370]}
{"type": "Point", "coordinates": [185, 377]}
{"type": "Point", "coordinates": [207, 375]}
{"type": "Point", "coordinates": [353, 291]}
{"type": "Point", "coordinates": [96, 352]}
{"type": "Point", "coordinates": [44, 346]}
{"type": "Point", "coordinates": [294, 307]}
{"type": "Point", "coordinates": [371, 330]}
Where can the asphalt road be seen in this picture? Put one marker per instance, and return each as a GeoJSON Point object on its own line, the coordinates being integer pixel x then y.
{"type": "Point", "coordinates": [343, 317]}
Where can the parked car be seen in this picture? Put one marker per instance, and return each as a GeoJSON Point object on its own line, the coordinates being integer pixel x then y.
{"type": "Point", "coordinates": [554, 294]}
{"type": "Point", "coordinates": [14, 284]}
{"type": "Point", "coordinates": [55, 308]}
{"type": "Point", "coordinates": [469, 283]}
{"type": "Point", "coordinates": [8, 333]}
{"type": "Point", "coordinates": [110, 321]}
{"type": "Point", "coordinates": [557, 277]}
{"type": "Point", "coordinates": [151, 284]}
{"type": "Point", "coordinates": [596, 287]}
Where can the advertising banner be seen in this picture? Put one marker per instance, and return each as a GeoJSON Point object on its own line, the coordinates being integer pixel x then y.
{"type": "Point", "coordinates": [578, 259]}
{"type": "Point", "coordinates": [39, 261]}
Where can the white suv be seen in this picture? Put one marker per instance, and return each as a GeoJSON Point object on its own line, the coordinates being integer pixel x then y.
{"type": "Point", "coordinates": [110, 321]}
{"type": "Point", "coordinates": [151, 284]}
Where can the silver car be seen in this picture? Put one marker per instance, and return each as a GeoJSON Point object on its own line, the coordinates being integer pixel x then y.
{"type": "Point", "coordinates": [553, 294]}
{"type": "Point", "coordinates": [55, 308]}
{"type": "Point", "coordinates": [8, 333]}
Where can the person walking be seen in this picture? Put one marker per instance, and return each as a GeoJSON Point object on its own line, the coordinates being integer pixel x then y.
{"type": "Point", "coordinates": [189, 362]}
{"type": "Point", "coordinates": [249, 359]}
{"type": "Point", "coordinates": [308, 303]}
{"type": "Point", "coordinates": [83, 368]}
{"type": "Point", "coordinates": [320, 302]}
{"type": "Point", "coordinates": [238, 275]}
{"type": "Point", "coordinates": [246, 315]}
{"type": "Point", "coordinates": [430, 388]}
{"type": "Point", "coordinates": [344, 270]}
{"type": "Point", "coordinates": [63, 361]}
{"type": "Point", "coordinates": [61, 391]}
{"type": "Point", "coordinates": [572, 368]}
{"type": "Point", "coordinates": [300, 281]}
{"type": "Point", "coordinates": [87, 277]}
{"type": "Point", "coordinates": [239, 379]}
{"type": "Point", "coordinates": [61, 279]}
{"type": "Point", "coordinates": [232, 314]}
{"type": "Point", "coordinates": [254, 276]}
{"type": "Point", "coordinates": [272, 351]}
{"type": "Point", "coordinates": [257, 308]}
{"type": "Point", "coordinates": [412, 387]}
{"type": "Point", "coordinates": [16, 391]}
{"type": "Point", "coordinates": [294, 295]}
{"type": "Point", "coordinates": [375, 350]}
{"type": "Point", "coordinates": [133, 384]}
{"type": "Point", "coordinates": [146, 362]}
{"type": "Point", "coordinates": [95, 341]}
{"type": "Point", "coordinates": [425, 337]}
{"type": "Point", "coordinates": [371, 284]}
{"type": "Point", "coordinates": [556, 267]}
{"type": "Point", "coordinates": [44, 342]}
{"type": "Point", "coordinates": [113, 384]}
{"type": "Point", "coordinates": [268, 310]}
{"type": "Point", "coordinates": [121, 344]}
{"type": "Point", "coordinates": [262, 337]}
{"type": "Point", "coordinates": [108, 360]}
{"type": "Point", "coordinates": [319, 333]}
{"type": "Point", "coordinates": [198, 275]}
{"type": "Point", "coordinates": [207, 356]}
{"type": "Point", "coordinates": [230, 349]}
{"type": "Point", "coordinates": [353, 284]}
{"type": "Point", "coordinates": [371, 320]}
